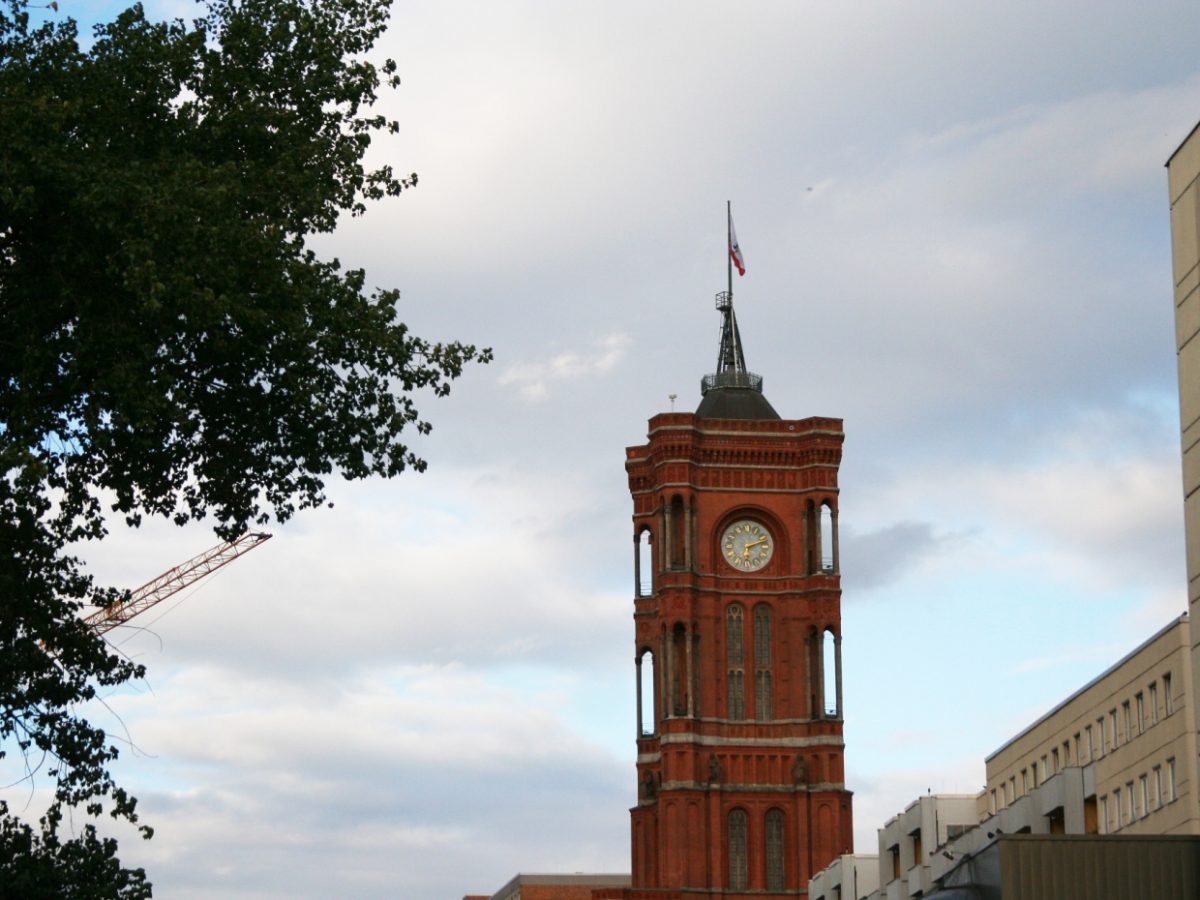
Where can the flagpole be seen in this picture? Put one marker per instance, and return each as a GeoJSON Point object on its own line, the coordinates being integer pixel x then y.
{"type": "Point", "coordinates": [729, 247]}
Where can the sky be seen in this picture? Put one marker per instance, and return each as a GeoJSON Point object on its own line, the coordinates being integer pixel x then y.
{"type": "Point", "coordinates": [954, 219]}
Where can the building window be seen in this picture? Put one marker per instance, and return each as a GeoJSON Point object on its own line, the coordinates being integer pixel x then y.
{"type": "Point", "coordinates": [762, 695]}
{"type": "Point", "coordinates": [894, 853]}
{"type": "Point", "coordinates": [1025, 779]}
{"type": "Point", "coordinates": [762, 663]}
{"type": "Point", "coordinates": [1012, 783]}
{"type": "Point", "coordinates": [1127, 720]}
{"type": "Point", "coordinates": [774, 850]}
{"type": "Point", "coordinates": [1055, 758]}
{"type": "Point", "coordinates": [1105, 826]}
{"type": "Point", "coordinates": [1167, 698]}
{"type": "Point", "coordinates": [1078, 750]}
{"type": "Point", "coordinates": [735, 661]}
{"type": "Point", "coordinates": [1158, 787]}
{"type": "Point", "coordinates": [918, 858]}
{"type": "Point", "coordinates": [1112, 726]}
{"type": "Point", "coordinates": [1117, 808]}
{"type": "Point", "coordinates": [737, 694]}
{"type": "Point", "coordinates": [737, 850]}
{"type": "Point", "coordinates": [1129, 791]}
{"type": "Point", "coordinates": [992, 804]}
{"type": "Point", "coordinates": [1170, 779]}
{"type": "Point", "coordinates": [1154, 703]}
{"type": "Point", "coordinates": [1144, 786]}
{"type": "Point", "coordinates": [1141, 712]}
{"type": "Point", "coordinates": [1091, 747]}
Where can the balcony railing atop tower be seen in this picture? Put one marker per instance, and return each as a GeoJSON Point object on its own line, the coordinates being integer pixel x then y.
{"type": "Point", "coordinates": [731, 380]}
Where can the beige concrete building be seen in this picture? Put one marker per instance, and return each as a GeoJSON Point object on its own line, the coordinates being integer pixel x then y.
{"type": "Point", "coordinates": [909, 842]}
{"type": "Point", "coordinates": [1133, 727]}
{"type": "Point", "coordinates": [849, 877]}
{"type": "Point", "coordinates": [1183, 180]}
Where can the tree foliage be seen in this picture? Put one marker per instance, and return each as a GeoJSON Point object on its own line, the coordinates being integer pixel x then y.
{"type": "Point", "coordinates": [170, 344]}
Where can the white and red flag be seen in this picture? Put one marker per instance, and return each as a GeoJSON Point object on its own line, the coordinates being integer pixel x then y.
{"type": "Point", "coordinates": [735, 252]}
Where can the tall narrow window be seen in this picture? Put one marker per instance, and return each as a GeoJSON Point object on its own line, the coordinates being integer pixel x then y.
{"type": "Point", "coordinates": [1091, 746]}
{"type": "Point", "coordinates": [829, 676]}
{"type": "Point", "coordinates": [1158, 787]}
{"type": "Point", "coordinates": [681, 688]}
{"type": "Point", "coordinates": [1117, 806]}
{"type": "Point", "coordinates": [774, 850]}
{"type": "Point", "coordinates": [737, 850]}
{"type": "Point", "coordinates": [1141, 712]}
{"type": "Point", "coordinates": [826, 538]}
{"type": "Point", "coordinates": [1154, 703]}
{"type": "Point", "coordinates": [646, 688]}
{"type": "Point", "coordinates": [678, 530]}
{"type": "Point", "coordinates": [762, 663]}
{"type": "Point", "coordinates": [1127, 721]}
{"type": "Point", "coordinates": [735, 661]}
{"type": "Point", "coordinates": [1168, 700]}
{"type": "Point", "coordinates": [762, 695]}
{"type": "Point", "coordinates": [645, 564]}
{"type": "Point", "coordinates": [1170, 779]}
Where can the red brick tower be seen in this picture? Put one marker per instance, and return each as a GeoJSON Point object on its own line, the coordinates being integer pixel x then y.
{"type": "Point", "coordinates": [738, 644]}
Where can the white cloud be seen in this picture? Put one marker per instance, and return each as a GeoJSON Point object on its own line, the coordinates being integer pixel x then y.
{"type": "Point", "coordinates": [534, 380]}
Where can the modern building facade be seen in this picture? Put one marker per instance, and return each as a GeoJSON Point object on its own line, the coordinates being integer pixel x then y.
{"type": "Point", "coordinates": [1134, 726]}
{"type": "Point", "coordinates": [1183, 181]}
{"type": "Point", "coordinates": [1116, 758]}
{"type": "Point", "coordinates": [849, 877]}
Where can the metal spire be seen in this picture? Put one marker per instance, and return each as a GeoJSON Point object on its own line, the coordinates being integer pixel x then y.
{"type": "Point", "coordinates": [731, 361]}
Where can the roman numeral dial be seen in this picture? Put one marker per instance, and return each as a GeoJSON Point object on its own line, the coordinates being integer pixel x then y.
{"type": "Point", "coordinates": [747, 545]}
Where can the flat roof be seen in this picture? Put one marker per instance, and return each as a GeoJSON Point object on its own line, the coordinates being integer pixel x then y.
{"type": "Point", "coordinates": [1174, 152]}
{"type": "Point", "coordinates": [1174, 623]}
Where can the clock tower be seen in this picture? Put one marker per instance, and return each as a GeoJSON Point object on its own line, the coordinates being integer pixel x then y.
{"type": "Point", "coordinates": [738, 644]}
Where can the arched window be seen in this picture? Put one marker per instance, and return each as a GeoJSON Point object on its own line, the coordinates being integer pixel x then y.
{"type": "Point", "coordinates": [829, 675]}
{"type": "Point", "coordinates": [737, 850]}
{"type": "Point", "coordinates": [647, 720]}
{"type": "Point", "coordinates": [762, 663]}
{"type": "Point", "coordinates": [774, 834]}
{"type": "Point", "coordinates": [826, 532]}
{"type": "Point", "coordinates": [735, 661]}
{"type": "Point", "coordinates": [644, 563]}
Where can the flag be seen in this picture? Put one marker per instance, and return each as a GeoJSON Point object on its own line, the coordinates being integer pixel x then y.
{"type": "Point", "coordinates": [735, 252]}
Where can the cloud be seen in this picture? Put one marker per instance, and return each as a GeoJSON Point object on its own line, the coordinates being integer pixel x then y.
{"type": "Point", "coordinates": [368, 787]}
{"type": "Point", "coordinates": [875, 558]}
{"type": "Point", "coordinates": [534, 379]}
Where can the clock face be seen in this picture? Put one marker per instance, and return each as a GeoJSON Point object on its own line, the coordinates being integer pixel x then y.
{"type": "Point", "coordinates": [747, 545]}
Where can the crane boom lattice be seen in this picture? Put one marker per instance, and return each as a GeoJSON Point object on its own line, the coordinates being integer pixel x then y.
{"type": "Point", "coordinates": [173, 581]}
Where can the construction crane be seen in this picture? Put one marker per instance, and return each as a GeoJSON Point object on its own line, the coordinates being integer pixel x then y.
{"type": "Point", "coordinates": [173, 580]}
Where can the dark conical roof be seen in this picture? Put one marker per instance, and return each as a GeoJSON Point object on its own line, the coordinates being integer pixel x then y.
{"type": "Point", "coordinates": [732, 392]}
{"type": "Point", "coordinates": [735, 403]}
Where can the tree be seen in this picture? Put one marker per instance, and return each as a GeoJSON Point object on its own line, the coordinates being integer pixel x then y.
{"type": "Point", "coordinates": [170, 345]}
